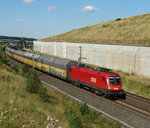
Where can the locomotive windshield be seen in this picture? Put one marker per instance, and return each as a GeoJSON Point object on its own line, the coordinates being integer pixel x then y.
{"type": "Point", "coordinates": [114, 80]}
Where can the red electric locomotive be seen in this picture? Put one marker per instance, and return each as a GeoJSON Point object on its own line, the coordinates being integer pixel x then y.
{"type": "Point", "coordinates": [99, 80]}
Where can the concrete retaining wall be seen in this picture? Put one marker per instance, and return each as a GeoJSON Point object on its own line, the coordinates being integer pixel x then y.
{"type": "Point", "coordinates": [131, 59]}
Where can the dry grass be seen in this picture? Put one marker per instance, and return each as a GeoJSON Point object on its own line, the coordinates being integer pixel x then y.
{"type": "Point", "coordinates": [132, 30]}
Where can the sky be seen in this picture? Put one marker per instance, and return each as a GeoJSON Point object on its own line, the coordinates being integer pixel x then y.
{"type": "Point", "coordinates": [44, 18]}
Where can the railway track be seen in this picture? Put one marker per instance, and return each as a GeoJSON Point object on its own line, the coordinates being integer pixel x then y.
{"type": "Point", "coordinates": [137, 104]}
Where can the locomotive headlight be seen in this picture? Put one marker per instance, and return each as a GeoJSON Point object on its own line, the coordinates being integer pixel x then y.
{"type": "Point", "coordinates": [109, 87]}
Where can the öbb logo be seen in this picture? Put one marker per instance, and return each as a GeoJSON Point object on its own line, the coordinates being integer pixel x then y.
{"type": "Point", "coordinates": [93, 80]}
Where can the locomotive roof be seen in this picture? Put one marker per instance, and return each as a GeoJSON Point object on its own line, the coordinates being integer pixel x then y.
{"type": "Point", "coordinates": [102, 71]}
{"type": "Point", "coordinates": [98, 69]}
{"type": "Point", "coordinates": [95, 68]}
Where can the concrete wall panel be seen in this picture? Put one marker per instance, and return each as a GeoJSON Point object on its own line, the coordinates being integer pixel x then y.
{"type": "Point", "coordinates": [131, 59]}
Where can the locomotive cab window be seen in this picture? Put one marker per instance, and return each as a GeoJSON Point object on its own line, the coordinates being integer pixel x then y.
{"type": "Point", "coordinates": [114, 80]}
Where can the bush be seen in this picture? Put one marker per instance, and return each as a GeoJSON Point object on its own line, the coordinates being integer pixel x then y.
{"type": "Point", "coordinates": [2, 48]}
{"type": "Point", "coordinates": [84, 109]}
{"type": "Point", "coordinates": [43, 94]}
{"type": "Point", "coordinates": [2, 58]}
{"type": "Point", "coordinates": [81, 116]}
{"type": "Point", "coordinates": [32, 82]}
{"type": "Point", "coordinates": [15, 68]}
{"type": "Point", "coordinates": [118, 19]}
{"type": "Point", "coordinates": [33, 85]}
{"type": "Point", "coordinates": [75, 121]}
{"type": "Point", "coordinates": [68, 111]}
{"type": "Point", "coordinates": [74, 117]}
{"type": "Point", "coordinates": [90, 118]}
{"type": "Point", "coordinates": [25, 69]}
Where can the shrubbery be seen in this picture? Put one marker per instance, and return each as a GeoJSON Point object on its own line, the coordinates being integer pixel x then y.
{"type": "Point", "coordinates": [32, 82]}
{"type": "Point", "coordinates": [81, 116]}
{"type": "Point", "coordinates": [75, 120]}
{"type": "Point", "coordinates": [43, 94]}
{"type": "Point", "coordinates": [15, 68]}
{"type": "Point", "coordinates": [118, 19]}
{"type": "Point", "coordinates": [84, 109]}
{"type": "Point", "coordinates": [33, 85]}
{"type": "Point", "coordinates": [2, 56]}
{"type": "Point", "coordinates": [25, 69]}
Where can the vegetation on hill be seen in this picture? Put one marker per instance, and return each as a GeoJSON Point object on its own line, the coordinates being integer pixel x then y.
{"type": "Point", "coordinates": [132, 31]}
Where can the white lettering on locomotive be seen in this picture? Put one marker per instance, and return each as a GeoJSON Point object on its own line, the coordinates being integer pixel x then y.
{"type": "Point", "coordinates": [93, 80]}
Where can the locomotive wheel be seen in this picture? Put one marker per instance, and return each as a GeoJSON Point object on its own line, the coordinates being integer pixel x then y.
{"type": "Point", "coordinates": [99, 93]}
{"type": "Point", "coordinates": [106, 96]}
{"type": "Point", "coordinates": [77, 84]}
{"type": "Point", "coordinates": [93, 91]}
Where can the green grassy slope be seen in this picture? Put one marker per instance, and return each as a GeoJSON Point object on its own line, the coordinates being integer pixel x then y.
{"type": "Point", "coordinates": [135, 84]}
{"type": "Point", "coordinates": [133, 30]}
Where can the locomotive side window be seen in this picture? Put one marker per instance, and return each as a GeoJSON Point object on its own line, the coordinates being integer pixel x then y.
{"type": "Point", "coordinates": [104, 79]}
{"type": "Point", "coordinates": [114, 80]}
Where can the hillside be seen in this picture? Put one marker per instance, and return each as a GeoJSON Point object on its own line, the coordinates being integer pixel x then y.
{"type": "Point", "coordinates": [133, 30]}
